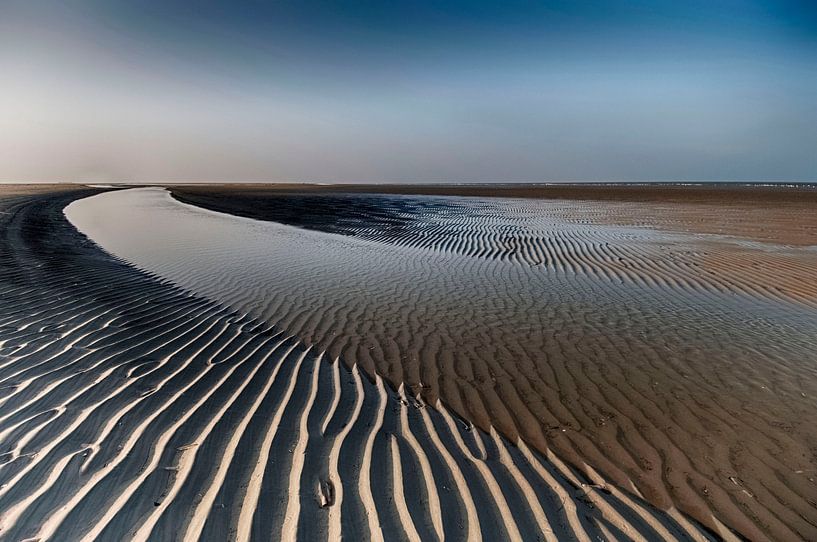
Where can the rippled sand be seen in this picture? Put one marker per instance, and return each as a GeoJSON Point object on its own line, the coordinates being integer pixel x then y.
{"type": "Point", "coordinates": [680, 365]}
{"type": "Point", "coordinates": [134, 409]}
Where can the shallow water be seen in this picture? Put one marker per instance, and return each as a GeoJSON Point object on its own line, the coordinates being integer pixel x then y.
{"type": "Point", "coordinates": [607, 344]}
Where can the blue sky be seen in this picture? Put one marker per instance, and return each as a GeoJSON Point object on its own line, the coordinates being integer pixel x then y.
{"type": "Point", "coordinates": [408, 91]}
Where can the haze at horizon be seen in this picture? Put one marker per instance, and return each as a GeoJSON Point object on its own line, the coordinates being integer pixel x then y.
{"type": "Point", "coordinates": [413, 92]}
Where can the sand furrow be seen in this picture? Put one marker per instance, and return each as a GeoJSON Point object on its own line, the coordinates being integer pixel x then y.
{"type": "Point", "coordinates": [51, 524]}
{"type": "Point", "coordinates": [335, 395]}
{"type": "Point", "coordinates": [157, 449]}
{"type": "Point", "coordinates": [364, 483]}
{"type": "Point", "coordinates": [250, 499]}
{"type": "Point", "coordinates": [186, 460]}
{"type": "Point", "coordinates": [472, 525]}
{"type": "Point", "coordinates": [203, 507]}
{"type": "Point", "coordinates": [425, 467]}
{"type": "Point", "coordinates": [525, 487]}
{"type": "Point", "coordinates": [498, 497]}
{"type": "Point", "coordinates": [399, 497]}
{"type": "Point", "coordinates": [292, 514]}
{"type": "Point", "coordinates": [335, 530]}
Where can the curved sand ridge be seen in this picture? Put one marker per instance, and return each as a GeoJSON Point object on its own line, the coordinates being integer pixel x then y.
{"type": "Point", "coordinates": [133, 409]}
{"type": "Point", "coordinates": [656, 383]}
{"type": "Point", "coordinates": [566, 236]}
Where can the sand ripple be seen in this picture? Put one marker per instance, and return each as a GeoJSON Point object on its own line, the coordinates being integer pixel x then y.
{"type": "Point", "coordinates": [133, 409]}
{"type": "Point", "coordinates": [627, 349]}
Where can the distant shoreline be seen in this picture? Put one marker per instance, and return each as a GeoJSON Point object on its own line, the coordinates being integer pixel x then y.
{"type": "Point", "coordinates": [719, 192]}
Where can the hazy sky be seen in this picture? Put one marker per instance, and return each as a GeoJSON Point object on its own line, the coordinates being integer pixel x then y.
{"type": "Point", "coordinates": [365, 91]}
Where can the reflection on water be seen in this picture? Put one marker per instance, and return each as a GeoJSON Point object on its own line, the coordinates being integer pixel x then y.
{"type": "Point", "coordinates": [609, 349]}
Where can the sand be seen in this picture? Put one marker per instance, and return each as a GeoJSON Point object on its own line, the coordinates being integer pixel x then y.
{"type": "Point", "coordinates": [136, 409]}
{"type": "Point", "coordinates": [663, 359]}
{"type": "Point", "coordinates": [784, 215]}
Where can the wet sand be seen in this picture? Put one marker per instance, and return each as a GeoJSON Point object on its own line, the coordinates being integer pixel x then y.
{"type": "Point", "coordinates": [133, 408]}
{"type": "Point", "coordinates": [404, 367]}
{"type": "Point", "coordinates": [783, 215]}
{"type": "Point", "coordinates": [667, 343]}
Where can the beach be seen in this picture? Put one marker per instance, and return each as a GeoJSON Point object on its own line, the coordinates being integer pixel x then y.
{"type": "Point", "coordinates": [249, 362]}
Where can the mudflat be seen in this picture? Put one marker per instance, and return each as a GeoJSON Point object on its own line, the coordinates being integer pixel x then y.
{"type": "Point", "coordinates": [660, 334]}
{"type": "Point", "coordinates": [252, 362]}
{"type": "Point", "coordinates": [134, 408]}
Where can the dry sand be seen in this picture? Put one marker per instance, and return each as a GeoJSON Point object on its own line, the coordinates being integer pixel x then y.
{"type": "Point", "coordinates": [133, 409]}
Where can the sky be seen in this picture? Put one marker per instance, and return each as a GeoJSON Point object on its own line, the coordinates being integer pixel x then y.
{"type": "Point", "coordinates": [413, 91]}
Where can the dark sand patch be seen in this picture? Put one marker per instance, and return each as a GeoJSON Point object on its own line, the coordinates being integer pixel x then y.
{"type": "Point", "coordinates": [784, 215]}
